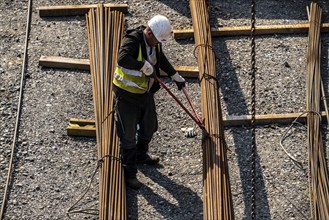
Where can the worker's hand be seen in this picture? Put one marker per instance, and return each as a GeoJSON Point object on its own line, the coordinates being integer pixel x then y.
{"type": "Point", "coordinates": [147, 68]}
{"type": "Point", "coordinates": [179, 80]}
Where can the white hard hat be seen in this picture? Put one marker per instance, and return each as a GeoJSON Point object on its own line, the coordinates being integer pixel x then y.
{"type": "Point", "coordinates": [161, 28]}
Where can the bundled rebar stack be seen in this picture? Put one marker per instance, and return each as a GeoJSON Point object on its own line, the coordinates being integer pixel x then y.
{"type": "Point", "coordinates": [105, 29]}
{"type": "Point", "coordinates": [216, 182]}
{"type": "Point", "coordinates": [319, 191]}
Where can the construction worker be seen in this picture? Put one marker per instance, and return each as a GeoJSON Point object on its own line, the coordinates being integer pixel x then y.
{"type": "Point", "coordinates": [139, 60]}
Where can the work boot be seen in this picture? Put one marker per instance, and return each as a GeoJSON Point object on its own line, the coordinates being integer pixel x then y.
{"type": "Point", "coordinates": [147, 159]}
{"type": "Point", "coordinates": [133, 183]}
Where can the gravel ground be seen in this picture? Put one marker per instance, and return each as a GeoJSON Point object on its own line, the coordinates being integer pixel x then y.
{"type": "Point", "coordinates": [51, 169]}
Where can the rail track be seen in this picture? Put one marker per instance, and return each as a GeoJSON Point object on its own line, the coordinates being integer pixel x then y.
{"type": "Point", "coordinates": [19, 109]}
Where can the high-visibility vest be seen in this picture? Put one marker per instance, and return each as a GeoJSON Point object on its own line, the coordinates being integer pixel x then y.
{"type": "Point", "coordinates": [133, 81]}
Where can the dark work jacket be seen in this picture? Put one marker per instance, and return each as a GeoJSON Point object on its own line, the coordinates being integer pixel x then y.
{"type": "Point", "coordinates": [127, 58]}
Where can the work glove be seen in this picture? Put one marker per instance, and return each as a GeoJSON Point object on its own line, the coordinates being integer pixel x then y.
{"type": "Point", "coordinates": [147, 68]}
{"type": "Point", "coordinates": [179, 80]}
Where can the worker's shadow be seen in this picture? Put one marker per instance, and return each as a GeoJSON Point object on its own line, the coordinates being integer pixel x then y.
{"type": "Point", "coordinates": [187, 203]}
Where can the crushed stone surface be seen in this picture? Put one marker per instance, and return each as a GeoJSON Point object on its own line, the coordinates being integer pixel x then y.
{"type": "Point", "coordinates": [52, 169]}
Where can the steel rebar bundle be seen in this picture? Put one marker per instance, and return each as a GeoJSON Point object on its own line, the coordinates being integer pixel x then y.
{"type": "Point", "coordinates": [319, 188]}
{"type": "Point", "coordinates": [105, 29]}
{"type": "Point", "coordinates": [216, 182]}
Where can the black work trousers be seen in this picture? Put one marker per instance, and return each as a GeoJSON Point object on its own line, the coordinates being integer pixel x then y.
{"type": "Point", "coordinates": [135, 125]}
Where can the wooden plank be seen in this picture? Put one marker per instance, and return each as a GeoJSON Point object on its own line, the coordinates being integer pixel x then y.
{"type": "Point", "coordinates": [266, 119]}
{"type": "Point", "coordinates": [185, 71]}
{"type": "Point", "coordinates": [81, 131]}
{"type": "Point", "coordinates": [260, 30]}
{"type": "Point", "coordinates": [81, 127]}
{"type": "Point", "coordinates": [64, 62]}
{"type": "Point", "coordinates": [74, 10]}
{"type": "Point", "coordinates": [83, 64]}
{"type": "Point", "coordinates": [82, 122]}
{"type": "Point", "coordinates": [88, 126]}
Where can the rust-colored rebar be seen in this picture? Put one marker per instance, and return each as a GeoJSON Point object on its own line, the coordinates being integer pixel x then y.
{"type": "Point", "coordinates": [318, 172]}
{"type": "Point", "coordinates": [105, 29]}
{"type": "Point", "coordinates": [216, 182]}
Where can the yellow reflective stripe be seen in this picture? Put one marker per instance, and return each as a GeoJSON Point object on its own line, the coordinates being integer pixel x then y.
{"type": "Point", "coordinates": [142, 81]}
{"type": "Point", "coordinates": [128, 88]}
{"type": "Point", "coordinates": [128, 83]}
{"type": "Point", "coordinates": [133, 81]}
{"type": "Point", "coordinates": [130, 72]}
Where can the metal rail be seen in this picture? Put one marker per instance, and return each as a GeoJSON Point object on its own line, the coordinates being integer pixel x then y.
{"type": "Point", "coordinates": [19, 107]}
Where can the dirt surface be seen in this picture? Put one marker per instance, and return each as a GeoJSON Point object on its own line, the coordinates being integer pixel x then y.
{"type": "Point", "coordinates": [52, 169]}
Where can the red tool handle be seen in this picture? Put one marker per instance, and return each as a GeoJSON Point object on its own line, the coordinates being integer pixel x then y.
{"type": "Point", "coordinates": [191, 104]}
{"type": "Point", "coordinates": [198, 121]}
